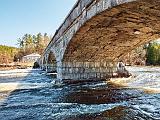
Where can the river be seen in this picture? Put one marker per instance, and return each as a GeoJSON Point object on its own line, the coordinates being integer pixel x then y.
{"type": "Point", "coordinates": [32, 95]}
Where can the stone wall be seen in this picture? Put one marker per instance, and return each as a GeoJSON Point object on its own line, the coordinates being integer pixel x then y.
{"type": "Point", "coordinates": [87, 70]}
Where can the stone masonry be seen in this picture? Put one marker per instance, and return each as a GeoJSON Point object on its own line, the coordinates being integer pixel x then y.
{"type": "Point", "coordinates": [96, 33]}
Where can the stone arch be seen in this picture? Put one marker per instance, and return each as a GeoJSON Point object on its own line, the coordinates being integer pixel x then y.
{"type": "Point", "coordinates": [51, 58]}
{"type": "Point", "coordinates": [110, 34]}
{"type": "Point", "coordinates": [51, 61]}
{"type": "Point", "coordinates": [115, 31]}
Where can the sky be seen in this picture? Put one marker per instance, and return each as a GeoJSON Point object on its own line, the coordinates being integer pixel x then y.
{"type": "Point", "coordinates": [18, 17]}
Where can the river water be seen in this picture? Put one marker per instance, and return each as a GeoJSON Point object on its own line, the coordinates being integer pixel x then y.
{"type": "Point", "coordinates": [32, 95]}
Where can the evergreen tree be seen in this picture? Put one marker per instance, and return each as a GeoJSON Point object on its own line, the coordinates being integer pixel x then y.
{"type": "Point", "coordinates": [153, 54]}
{"type": "Point", "coordinates": [32, 43]}
{"type": "Point", "coordinates": [7, 54]}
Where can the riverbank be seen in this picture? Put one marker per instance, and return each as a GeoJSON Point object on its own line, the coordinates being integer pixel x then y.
{"type": "Point", "coordinates": [7, 68]}
{"type": "Point", "coordinates": [16, 65]}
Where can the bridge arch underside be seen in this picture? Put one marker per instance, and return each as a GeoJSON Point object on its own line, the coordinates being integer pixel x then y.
{"type": "Point", "coordinates": [108, 36]}
{"type": "Point", "coordinates": [51, 64]}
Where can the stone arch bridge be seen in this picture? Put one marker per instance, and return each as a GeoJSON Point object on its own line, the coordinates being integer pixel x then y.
{"type": "Point", "coordinates": [98, 32]}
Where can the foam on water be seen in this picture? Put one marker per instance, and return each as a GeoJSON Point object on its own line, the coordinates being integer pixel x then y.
{"type": "Point", "coordinates": [146, 78]}
{"type": "Point", "coordinates": [34, 96]}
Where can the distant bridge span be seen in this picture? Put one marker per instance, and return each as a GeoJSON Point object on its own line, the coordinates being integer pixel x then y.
{"type": "Point", "coordinates": [98, 32]}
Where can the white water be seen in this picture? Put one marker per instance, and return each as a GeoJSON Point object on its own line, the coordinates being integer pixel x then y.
{"type": "Point", "coordinates": [30, 94]}
{"type": "Point", "coordinates": [146, 78]}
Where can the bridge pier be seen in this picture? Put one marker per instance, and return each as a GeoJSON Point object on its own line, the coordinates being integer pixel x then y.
{"type": "Point", "coordinates": [85, 70]}
{"type": "Point", "coordinates": [51, 68]}
{"type": "Point", "coordinates": [49, 63]}
{"type": "Point", "coordinates": [43, 64]}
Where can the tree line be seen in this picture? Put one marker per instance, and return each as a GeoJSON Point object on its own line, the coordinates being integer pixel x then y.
{"type": "Point", "coordinates": [153, 54]}
{"type": "Point", "coordinates": [7, 54]}
{"type": "Point", "coordinates": [148, 54]}
{"type": "Point", "coordinates": [29, 44]}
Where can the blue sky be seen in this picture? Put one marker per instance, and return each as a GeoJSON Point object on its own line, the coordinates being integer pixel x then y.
{"type": "Point", "coordinates": [18, 17]}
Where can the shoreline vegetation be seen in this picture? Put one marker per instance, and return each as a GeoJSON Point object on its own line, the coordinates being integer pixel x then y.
{"type": "Point", "coordinates": [30, 44]}
{"type": "Point", "coordinates": [7, 54]}
{"type": "Point", "coordinates": [11, 57]}
{"type": "Point", "coordinates": [16, 65]}
{"type": "Point", "coordinates": [7, 68]}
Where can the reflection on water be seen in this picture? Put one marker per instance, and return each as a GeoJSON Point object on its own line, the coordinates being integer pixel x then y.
{"type": "Point", "coordinates": [30, 95]}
